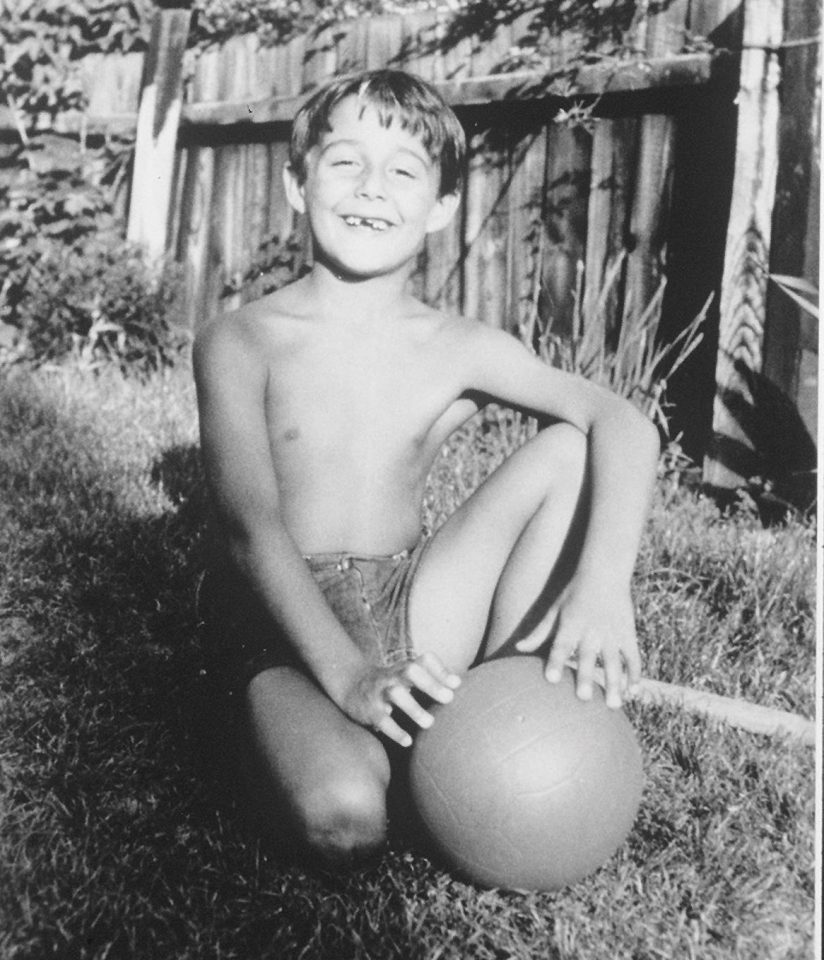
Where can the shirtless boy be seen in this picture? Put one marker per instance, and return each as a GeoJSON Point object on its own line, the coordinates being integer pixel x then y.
{"type": "Point", "coordinates": [322, 407]}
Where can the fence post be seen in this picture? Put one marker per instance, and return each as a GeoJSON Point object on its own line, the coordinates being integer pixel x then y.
{"type": "Point", "coordinates": [157, 123]}
{"type": "Point", "coordinates": [732, 457]}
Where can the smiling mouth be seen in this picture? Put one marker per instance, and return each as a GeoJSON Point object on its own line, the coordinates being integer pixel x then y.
{"type": "Point", "coordinates": [372, 223]}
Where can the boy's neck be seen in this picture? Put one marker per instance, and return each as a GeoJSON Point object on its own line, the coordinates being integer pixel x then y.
{"type": "Point", "coordinates": [375, 298]}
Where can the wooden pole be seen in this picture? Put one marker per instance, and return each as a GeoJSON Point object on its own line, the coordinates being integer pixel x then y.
{"type": "Point", "coordinates": [157, 123]}
{"type": "Point", "coordinates": [732, 457]}
{"type": "Point", "coordinates": [767, 721]}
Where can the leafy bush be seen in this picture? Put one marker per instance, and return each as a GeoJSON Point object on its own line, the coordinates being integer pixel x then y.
{"type": "Point", "coordinates": [100, 302]}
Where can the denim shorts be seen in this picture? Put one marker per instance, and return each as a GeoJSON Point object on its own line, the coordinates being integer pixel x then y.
{"type": "Point", "coordinates": [368, 594]}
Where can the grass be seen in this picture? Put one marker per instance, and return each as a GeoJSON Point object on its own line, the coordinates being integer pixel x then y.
{"type": "Point", "coordinates": [117, 842]}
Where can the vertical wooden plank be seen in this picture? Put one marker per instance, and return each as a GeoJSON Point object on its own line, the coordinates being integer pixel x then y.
{"type": "Point", "coordinates": [732, 457]}
{"type": "Point", "coordinates": [666, 27]}
{"type": "Point", "coordinates": [665, 32]}
{"type": "Point", "coordinates": [614, 151]}
{"type": "Point", "coordinates": [194, 231]}
{"type": "Point", "coordinates": [202, 277]}
{"type": "Point", "coordinates": [157, 124]}
{"type": "Point", "coordinates": [454, 50]}
{"type": "Point", "coordinates": [111, 82]}
{"type": "Point", "coordinates": [649, 219]}
{"type": "Point", "coordinates": [794, 246]}
{"type": "Point", "coordinates": [282, 221]}
{"type": "Point", "coordinates": [490, 53]}
{"type": "Point", "coordinates": [320, 61]}
{"type": "Point", "coordinates": [441, 267]}
{"type": "Point", "coordinates": [525, 241]}
{"type": "Point", "coordinates": [231, 230]}
{"type": "Point", "coordinates": [720, 21]}
{"type": "Point", "coordinates": [385, 41]}
{"type": "Point", "coordinates": [420, 44]}
{"type": "Point", "coordinates": [485, 276]}
{"type": "Point", "coordinates": [353, 45]}
{"type": "Point", "coordinates": [569, 153]}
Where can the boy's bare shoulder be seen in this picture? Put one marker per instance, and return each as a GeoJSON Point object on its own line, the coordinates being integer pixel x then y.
{"type": "Point", "coordinates": [245, 334]}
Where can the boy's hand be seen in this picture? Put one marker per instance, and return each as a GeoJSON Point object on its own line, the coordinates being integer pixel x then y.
{"type": "Point", "coordinates": [372, 698]}
{"type": "Point", "coordinates": [587, 625]}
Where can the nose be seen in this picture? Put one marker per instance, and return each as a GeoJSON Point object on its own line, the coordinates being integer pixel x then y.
{"type": "Point", "coordinates": [371, 183]}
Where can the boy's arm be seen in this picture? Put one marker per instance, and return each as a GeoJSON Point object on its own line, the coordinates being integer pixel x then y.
{"type": "Point", "coordinates": [231, 387]}
{"type": "Point", "coordinates": [593, 617]}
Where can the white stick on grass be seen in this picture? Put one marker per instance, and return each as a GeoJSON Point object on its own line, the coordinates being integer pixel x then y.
{"type": "Point", "coordinates": [738, 713]}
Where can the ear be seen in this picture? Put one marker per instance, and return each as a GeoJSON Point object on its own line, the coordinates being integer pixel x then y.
{"type": "Point", "coordinates": [294, 189]}
{"type": "Point", "coordinates": [442, 212]}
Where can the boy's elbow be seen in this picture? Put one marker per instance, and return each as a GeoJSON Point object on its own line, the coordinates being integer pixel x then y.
{"type": "Point", "coordinates": [647, 438]}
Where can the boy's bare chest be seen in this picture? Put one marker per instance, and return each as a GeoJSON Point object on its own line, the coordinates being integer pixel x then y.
{"type": "Point", "coordinates": [384, 397]}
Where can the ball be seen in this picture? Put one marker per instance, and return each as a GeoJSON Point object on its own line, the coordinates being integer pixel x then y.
{"type": "Point", "coordinates": [520, 784]}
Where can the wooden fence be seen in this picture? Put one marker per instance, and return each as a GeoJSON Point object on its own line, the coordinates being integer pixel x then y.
{"type": "Point", "coordinates": [672, 173]}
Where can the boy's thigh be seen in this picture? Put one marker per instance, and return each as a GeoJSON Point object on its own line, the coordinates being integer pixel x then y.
{"type": "Point", "coordinates": [302, 744]}
{"type": "Point", "coordinates": [455, 584]}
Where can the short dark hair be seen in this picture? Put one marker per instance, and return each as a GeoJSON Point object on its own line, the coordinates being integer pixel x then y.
{"type": "Point", "coordinates": [395, 94]}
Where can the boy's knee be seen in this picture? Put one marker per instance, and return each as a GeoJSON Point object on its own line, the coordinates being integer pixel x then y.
{"type": "Point", "coordinates": [344, 820]}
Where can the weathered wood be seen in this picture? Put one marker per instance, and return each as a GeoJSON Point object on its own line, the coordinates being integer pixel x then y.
{"type": "Point", "coordinates": [420, 43]}
{"type": "Point", "coordinates": [195, 250]}
{"type": "Point", "coordinates": [490, 53]}
{"type": "Point", "coordinates": [320, 62]}
{"type": "Point", "coordinates": [567, 181]}
{"type": "Point", "coordinates": [742, 714]}
{"type": "Point", "coordinates": [614, 152]}
{"type": "Point", "coordinates": [794, 246]}
{"type": "Point", "coordinates": [621, 77]}
{"type": "Point", "coordinates": [440, 283]}
{"type": "Point", "coordinates": [111, 83]}
{"type": "Point", "coordinates": [158, 117]}
{"type": "Point", "coordinates": [721, 22]}
{"type": "Point", "coordinates": [235, 237]}
{"type": "Point", "coordinates": [664, 32]}
{"type": "Point", "coordinates": [665, 28]}
{"type": "Point", "coordinates": [455, 52]}
{"type": "Point", "coordinates": [486, 228]}
{"type": "Point", "coordinates": [194, 234]}
{"type": "Point", "coordinates": [732, 457]}
{"type": "Point", "coordinates": [649, 218]}
{"type": "Point", "coordinates": [525, 240]}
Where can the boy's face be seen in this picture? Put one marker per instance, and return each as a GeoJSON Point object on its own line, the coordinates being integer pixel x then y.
{"type": "Point", "coordinates": [371, 193]}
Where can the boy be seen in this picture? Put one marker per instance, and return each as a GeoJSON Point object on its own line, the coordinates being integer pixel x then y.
{"type": "Point", "coordinates": [322, 408]}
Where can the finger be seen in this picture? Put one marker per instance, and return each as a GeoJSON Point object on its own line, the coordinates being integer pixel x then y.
{"type": "Point", "coordinates": [389, 728]}
{"type": "Point", "coordinates": [586, 668]}
{"type": "Point", "coordinates": [423, 680]}
{"type": "Point", "coordinates": [530, 644]}
{"type": "Point", "coordinates": [433, 666]}
{"type": "Point", "coordinates": [400, 697]}
{"type": "Point", "coordinates": [558, 657]}
{"type": "Point", "coordinates": [632, 659]}
{"type": "Point", "coordinates": [613, 680]}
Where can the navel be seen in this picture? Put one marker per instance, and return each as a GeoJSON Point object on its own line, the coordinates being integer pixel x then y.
{"type": "Point", "coordinates": [291, 434]}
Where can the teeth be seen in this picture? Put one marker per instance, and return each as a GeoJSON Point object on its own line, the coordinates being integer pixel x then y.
{"type": "Point", "coordinates": [370, 222]}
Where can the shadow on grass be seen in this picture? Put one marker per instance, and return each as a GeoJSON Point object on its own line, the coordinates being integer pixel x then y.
{"type": "Point", "coordinates": [110, 726]}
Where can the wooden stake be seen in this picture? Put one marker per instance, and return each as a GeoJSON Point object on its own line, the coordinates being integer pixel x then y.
{"type": "Point", "coordinates": [157, 123]}
{"type": "Point", "coordinates": [738, 713]}
{"type": "Point", "coordinates": [732, 458]}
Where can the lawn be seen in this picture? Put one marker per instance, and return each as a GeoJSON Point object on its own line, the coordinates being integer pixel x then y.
{"type": "Point", "coordinates": [118, 839]}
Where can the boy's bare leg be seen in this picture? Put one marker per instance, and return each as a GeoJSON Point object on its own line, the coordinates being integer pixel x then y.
{"type": "Point", "coordinates": [494, 568]}
{"type": "Point", "coordinates": [313, 767]}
